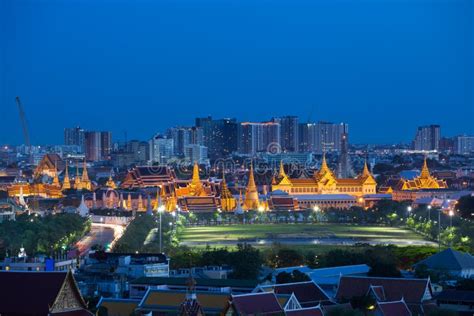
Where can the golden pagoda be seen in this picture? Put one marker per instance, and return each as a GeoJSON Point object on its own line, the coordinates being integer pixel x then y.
{"type": "Point", "coordinates": [228, 202]}
{"type": "Point", "coordinates": [424, 181]}
{"type": "Point", "coordinates": [77, 179]}
{"type": "Point", "coordinates": [171, 202]}
{"type": "Point", "coordinates": [140, 206]}
{"type": "Point", "coordinates": [55, 178]}
{"type": "Point", "coordinates": [86, 183]}
{"type": "Point", "coordinates": [325, 182]}
{"type": "Point", "coordinates": [129, 202]}
{"type": "Point", "coordinates": [110, 182]}
{"type": "Point", "coordinates": [195, 187]}
{"type": "Point", "coordinates": [251, 201]}
{"type": "Point", "coordinates": [66, 181]}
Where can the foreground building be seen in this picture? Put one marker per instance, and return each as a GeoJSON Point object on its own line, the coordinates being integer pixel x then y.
{"type": "Point", "coordinates": [40, 293]}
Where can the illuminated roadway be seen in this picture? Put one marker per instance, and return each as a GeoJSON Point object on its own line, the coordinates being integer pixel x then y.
{"type": "Point", "coordinates": [100, 234]}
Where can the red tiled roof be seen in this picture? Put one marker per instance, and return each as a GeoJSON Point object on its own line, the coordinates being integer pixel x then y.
{"type": "Point", "coordinates": [398, 308]}
{"type": "Point", "coordinates": [412, 290]}
{"type": "Point", "coordinates": [257, 303]}
{"type": "Point", "coordinates": [29, 292]}
{"type": "Point", "coordinates": [311, 311]}
{"type": "Point", "coordinates": [307, 293]}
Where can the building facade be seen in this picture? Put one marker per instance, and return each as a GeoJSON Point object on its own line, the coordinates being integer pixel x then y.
{"type": "Point", "coordinates": [427, 138]}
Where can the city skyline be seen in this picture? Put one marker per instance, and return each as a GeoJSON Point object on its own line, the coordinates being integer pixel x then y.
{"type": "Point", "coordinates": [379, 67]}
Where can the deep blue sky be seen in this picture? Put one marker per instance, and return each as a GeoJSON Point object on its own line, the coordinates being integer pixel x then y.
{"type": "Point", "coordinates": [383, 66]}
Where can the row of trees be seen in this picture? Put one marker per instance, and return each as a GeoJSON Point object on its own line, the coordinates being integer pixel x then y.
{"type": "Point", "coordinates": [247, 260]}
{"type": "Point", "coordinates": [41, 235]}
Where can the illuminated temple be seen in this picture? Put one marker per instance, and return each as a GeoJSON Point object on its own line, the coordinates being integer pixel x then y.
{"type": "Point", "coordinates": [425, 185]}
{"type": "Point", "coordinates": [325, 182]}
{"type": "Point", "coordinates": [46, 182]}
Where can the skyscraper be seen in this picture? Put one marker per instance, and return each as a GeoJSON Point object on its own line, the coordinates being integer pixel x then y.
{"type": "Point", "coordinates": [288, 132]}
{"type": "Point", "coordinates": [464, 145]}
{"type": "Point", "coordinates": [184, 136]}
{"type": "Point", "coordinates": [219, 136]}
{"type": "Point", "coordinates": [74, 137]}
{"type": "Point", "coordinates": [259, 137]}
{"type": "Point", "coordinates": [427, 138]}
{"type": "Point", "coordinates": [323, 137]}
{"type": "Point", "coordinates": [161, 149]}
{"type": "Point", "coordinates": [98, 145]}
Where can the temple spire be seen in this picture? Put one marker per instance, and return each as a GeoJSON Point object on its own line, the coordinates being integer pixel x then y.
{"type": "Point", "coordinates": [196, 188]}
{"type": "Point", "coordinates": [282, 173]}
{"type": "Point", "coordinates": [366, 172]}
{"type": "Point", "coordinates": [66, 181]}
{"type": "Point", "coordinates": [251, 201]}
{"type": "Point", "coordinates": [425, 172]}
{"type": "Point", "coordinates": [77, 179]}
{"type": "Point", "coordinates": [86, 183]}
{"type": "Point", "coordinates": [56, 179]}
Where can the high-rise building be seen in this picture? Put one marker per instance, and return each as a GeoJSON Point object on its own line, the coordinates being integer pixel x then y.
{"type": "Point", "coordinates": [259, 137]}
{"type": "Point", "coordinates": [219, 136]}
{"type": "Point", "coordinates": [288, 132]}
{"type": "Point", "coordinates": [184, 136]}
{"type": "Point", "coordinates": [344, 164]}
{"type": "Point", "coordinates": [464, 145]}
{"type": "Point", "coordinates": [161, 149]}
{"type": "Point", "coordinates": [323, 137]}
{"type": "Point", "coordinates": [196, 153]}
{"type": "Point", "coordinates": [427, 138]}
{"type": "Point", "coordinates": [98, 145]}
{"type": "Point", "coordinates": [74, 137]}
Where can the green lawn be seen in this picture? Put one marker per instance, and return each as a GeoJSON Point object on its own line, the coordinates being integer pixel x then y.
{"type": "Point", "coordinates": [216, 234]}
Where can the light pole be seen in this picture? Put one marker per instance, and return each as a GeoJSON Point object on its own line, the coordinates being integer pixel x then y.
{"type": "Point", "coordinates": [409, 209]}
{"type": "Point", "coordinates": [429, 212]}
{"type": "Point", "coordinates": [161, 209]}
{"type": "Point", "coordinates": [439, 230]}
{"type": "Point", "coordinates": [451, 214]}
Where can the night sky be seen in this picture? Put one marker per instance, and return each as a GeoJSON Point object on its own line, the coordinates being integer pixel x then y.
{"type": "Point", "coordinates": [383, 66]}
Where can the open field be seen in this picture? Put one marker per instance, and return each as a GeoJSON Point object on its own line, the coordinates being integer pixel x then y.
{"type": "Point", "coordinates": [299, 234]}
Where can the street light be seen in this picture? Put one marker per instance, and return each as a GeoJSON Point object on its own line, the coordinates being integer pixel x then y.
{"type": "Point", "coordinates": [451, 214]}
{"type": "Point", "coordinates": [409, 209]}
{"type": "Point", "coordinates": [429, 212]}
{"type": "Point", "coordinates": [161, 209]}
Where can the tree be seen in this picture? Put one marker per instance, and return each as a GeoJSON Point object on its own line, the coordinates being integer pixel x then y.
{"type": "Point", "coordinates": [384, 269]}
{"type": "Point", "coordinates": [245, 262]}
{"type": "Point", "coordinates": [289, 258]}
{"type": "Point", "coordinates": [295, 276]}
{"type": "Point", "coordinates": [466, 206]}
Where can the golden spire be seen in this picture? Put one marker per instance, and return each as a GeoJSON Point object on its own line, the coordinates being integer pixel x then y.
{"type": "Point", "coordinates": [425, 172]}
{"type": "Point", "coordinates": [324, 165]}
{"type": "Point", "coordinates": [225, 192]}
{"type": "Point", "coordinates": [196, 188]}
{"type": "Point", "coordinates": [85, 175]}
{"type": "Point", "coordinates": [110, 182]}
{"type": "Point", "coordinates": [281, 173]}
{"type": "Point", "coordinates": [228, 202]}
{"type": "Point", "coordinates": [129, 202]}
{"type": "Point", "coordinates": [56, 179]}
{"type": "Point", "coordinates": [366, 172]}
{"type": "Point", "coordinates": [66, 181]}
{"type": "Point", "coordinates": [77, 179]}
{"type": "Point", "coordinates": [251, 194]}
{"type": "Point", "coordinates": [251, 183]}
{"type": "Point", "coordinates": [86, 183]}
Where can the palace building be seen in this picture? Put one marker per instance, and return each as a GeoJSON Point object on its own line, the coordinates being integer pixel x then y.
{"type": "Point", "coordinates": [423, 186]}
{"type": "Point", "coordinates": [325, 182]}
{"type": "Point", "coordinates": [47, 168]}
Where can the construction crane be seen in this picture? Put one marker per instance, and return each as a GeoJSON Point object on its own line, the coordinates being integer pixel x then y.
{"type": "Point", "coordinates": [24, 125]}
